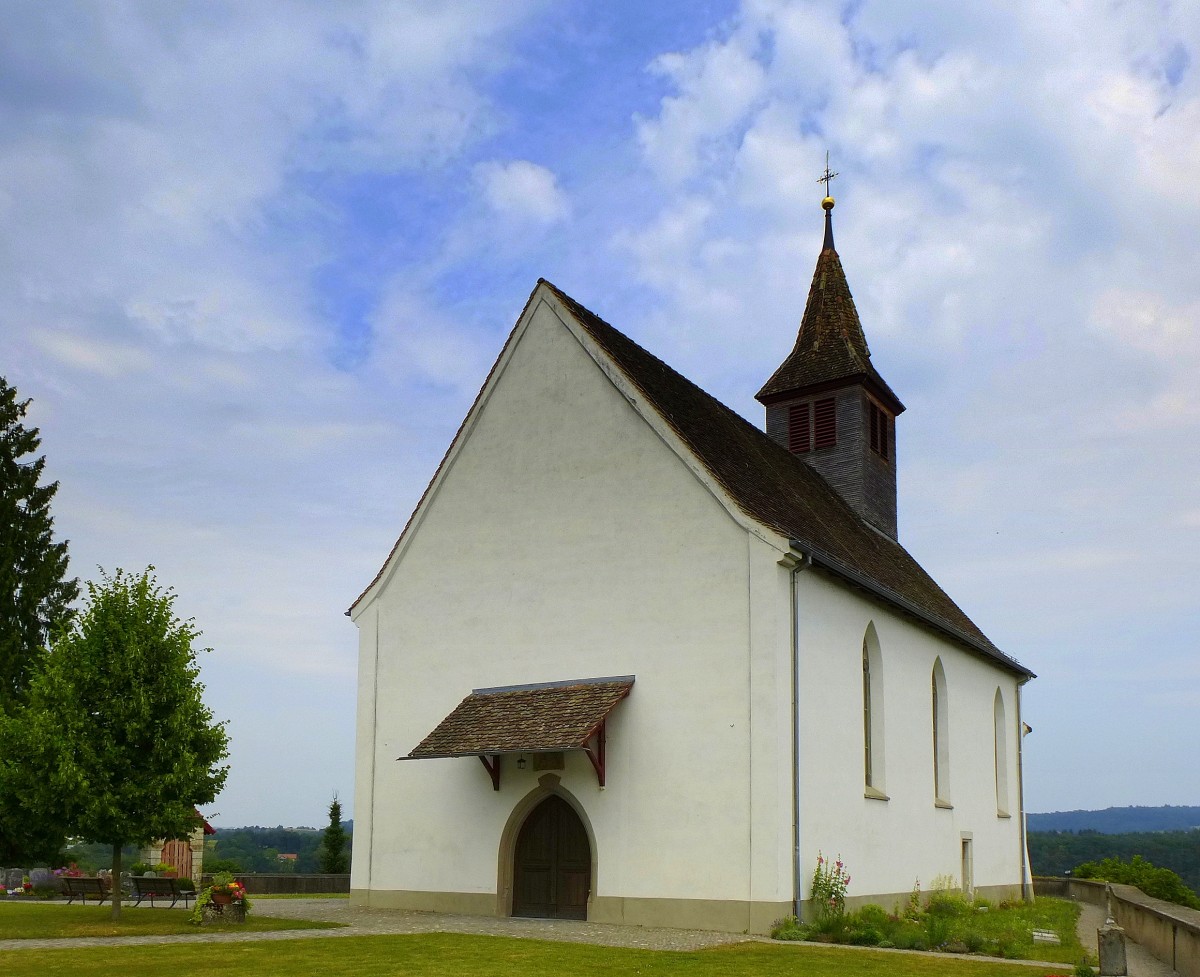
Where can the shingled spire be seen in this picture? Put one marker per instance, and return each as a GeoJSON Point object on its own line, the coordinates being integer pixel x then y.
{"type": "Point", "coordinates": [827, 402]}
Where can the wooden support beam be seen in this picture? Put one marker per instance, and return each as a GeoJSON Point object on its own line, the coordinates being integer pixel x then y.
{"type": "Point", "coordinates": [492, 765]}
{"type": "Point", "coordinates": [594, 748]}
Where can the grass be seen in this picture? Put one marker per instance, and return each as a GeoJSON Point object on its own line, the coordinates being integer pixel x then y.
{"type": "Point", "coordinates": [455, 955]}
{"type": "Point", "coordinates": [947, 921]}
{"type": "Point", "coordinates": [48, 921]}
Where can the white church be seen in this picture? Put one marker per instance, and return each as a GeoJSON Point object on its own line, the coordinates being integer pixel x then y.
{"type": "Point", "coordinates": [635, 660]}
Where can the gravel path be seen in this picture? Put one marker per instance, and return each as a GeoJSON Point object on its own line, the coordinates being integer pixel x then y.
{"type": "Point", "coordinates": [1142, 963]}
{"type": "Point", "coordinates": [361, 922]}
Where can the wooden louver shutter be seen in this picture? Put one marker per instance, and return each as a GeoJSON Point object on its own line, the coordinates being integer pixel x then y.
{"type": "Point", "coordinates": [879, 430]}
{"type": "Point", "coordinates": [825, 423]}
{"type": "Point", "coordinates": [799, 440]}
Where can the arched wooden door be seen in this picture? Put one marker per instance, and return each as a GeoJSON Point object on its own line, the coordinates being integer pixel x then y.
{"type": "Point", "coordinates": [552, 874]}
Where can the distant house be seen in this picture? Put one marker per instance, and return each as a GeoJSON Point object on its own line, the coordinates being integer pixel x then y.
{"type": "Point", "coordinates": [641, 661]}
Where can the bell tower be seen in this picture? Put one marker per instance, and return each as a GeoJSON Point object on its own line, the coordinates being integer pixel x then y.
{"type": "Point", "coordinates": [828, 404]}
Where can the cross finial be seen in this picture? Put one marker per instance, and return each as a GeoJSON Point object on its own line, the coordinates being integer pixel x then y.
{"type": "Point", "coordinates": [827, 175]}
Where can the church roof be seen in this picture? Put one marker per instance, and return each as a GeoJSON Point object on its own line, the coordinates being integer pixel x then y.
{"type": "Point", "coordinates": [781, 491]}
{"type": "Point", "coordinates": [831, 347]}
{"type": "Point", "coordinates": [544, 717]}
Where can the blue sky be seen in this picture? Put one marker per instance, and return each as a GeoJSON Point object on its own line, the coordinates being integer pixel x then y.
{"type": "Point", "coordinates": [257, 258]}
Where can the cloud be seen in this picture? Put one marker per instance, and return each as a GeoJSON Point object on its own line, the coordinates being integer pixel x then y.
{"type": "Point", "coordinates": [522, 191]}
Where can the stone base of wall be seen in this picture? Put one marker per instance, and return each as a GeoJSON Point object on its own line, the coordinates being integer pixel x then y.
{"type": "Point", "coordinates": [728, 916]}
{"type": "Point", "coordinates": [722, 915]}
{"type": "Point", "coordinates": [890, 900]}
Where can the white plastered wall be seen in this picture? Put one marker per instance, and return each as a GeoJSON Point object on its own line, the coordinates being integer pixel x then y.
{"type": "Point", "coordinates": [564, 539]}
{"type": "Point", "coordinates": [890, 845]}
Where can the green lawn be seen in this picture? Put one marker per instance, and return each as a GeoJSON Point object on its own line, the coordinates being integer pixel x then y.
{"type": "Point", "coordinates": [42, 921]}
{"type": "Point", "coordinates": [456, 955]}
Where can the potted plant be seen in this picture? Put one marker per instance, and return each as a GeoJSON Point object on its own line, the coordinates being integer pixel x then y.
{"type": "Point", "coordinates": [224, 892]}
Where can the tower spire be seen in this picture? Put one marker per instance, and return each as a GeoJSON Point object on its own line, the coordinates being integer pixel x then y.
{"type": "Point", "coordinates": [827, 204]}
{"type": "Point", "coordinates": [827, 403]}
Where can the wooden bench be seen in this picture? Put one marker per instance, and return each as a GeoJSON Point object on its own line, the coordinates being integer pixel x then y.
{"type": "Point", "coordinates": [150, 887]}
{"type": "Point", "coordinates": [83, 887]}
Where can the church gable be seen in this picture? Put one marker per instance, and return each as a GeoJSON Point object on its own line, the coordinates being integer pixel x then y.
{"type": "Point", "coordinates": [556, 503]}
{"type": "Point", "coordinates": [559, 390]}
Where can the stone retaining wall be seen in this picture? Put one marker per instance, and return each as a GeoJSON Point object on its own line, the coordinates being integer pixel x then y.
{"type": "Point", "coordinates": [1170, 932]}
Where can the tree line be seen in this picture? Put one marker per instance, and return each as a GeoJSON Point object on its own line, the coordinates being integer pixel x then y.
{"type": "Point", "coordinates": [1059, 852]}
{"type": "Point", "coordinates": [257, 849]}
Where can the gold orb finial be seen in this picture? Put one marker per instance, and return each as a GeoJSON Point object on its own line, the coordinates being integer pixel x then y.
{"type": "Point", "coordinates": [825, 178]}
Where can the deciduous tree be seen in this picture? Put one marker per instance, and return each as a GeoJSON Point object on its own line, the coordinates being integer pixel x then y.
{"type": "Point", "coordinates": [130, 748]}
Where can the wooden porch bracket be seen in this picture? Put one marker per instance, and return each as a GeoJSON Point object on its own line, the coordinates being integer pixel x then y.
{"type": "Point", "coordinates": [593, 746]}
{"type": "Point", "coordinates": [492, 765]}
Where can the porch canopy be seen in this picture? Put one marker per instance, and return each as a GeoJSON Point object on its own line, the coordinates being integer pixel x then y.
{"type": "Point", "coordinates": [545, 717]}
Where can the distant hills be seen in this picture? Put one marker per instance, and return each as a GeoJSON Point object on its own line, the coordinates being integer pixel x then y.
{"type": "Point", "coordinates": [1118, 820]}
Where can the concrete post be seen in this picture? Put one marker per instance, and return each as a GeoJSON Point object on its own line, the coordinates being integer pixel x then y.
{"type": "Point", "coordinates": [1110, 941]}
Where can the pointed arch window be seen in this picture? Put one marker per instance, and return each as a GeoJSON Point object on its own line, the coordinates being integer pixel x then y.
{"type": "Point", "coordinates": [1000, 731]}
{"type": "Point", "coordinates": [941, 736]}
{"type": "Point", "coordinates": [873, 736]}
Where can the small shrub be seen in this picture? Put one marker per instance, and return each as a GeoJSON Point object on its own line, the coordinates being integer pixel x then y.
{"type": "Point", "coordinates": [1008, 948]}
{"type": "Point", "coordinates": [974, 942]}
{"type": "Point", "coordinates": [937, 930]}
{"type": "Point", "coordinates": [913, 909]}
{"type": "Point", "coordinates": [139, 868]}
{"type": "Point", "coordinates": [947, 902]}
{"type": "Point", "coordinates": [911, 938]}
{"type": "Point", "coordinates": [1084, 970]}
{"type": "Point", "coordinates": [872, 915]}
{"type": "Point", "coordinates": [866, 936]}
{"type": "Point", "coordinates": [185, 884]}
{"type": "Point", "coordinates": [788, 928]}
{"type": "Point", "coordinates": [829, 929]}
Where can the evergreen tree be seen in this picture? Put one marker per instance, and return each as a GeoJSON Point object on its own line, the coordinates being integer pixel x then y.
{"type": "Point", "coordinates": [35, 594]}
{"type": "Point", "coordinates": [120, 745]}
{"type": "Point", "coordinates": [333, 845]}
{"type": "Point", "coordinates": [35, 601]}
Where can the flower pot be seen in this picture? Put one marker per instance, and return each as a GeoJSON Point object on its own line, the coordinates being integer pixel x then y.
{"type": "Point", "coordinates": [222, 898]}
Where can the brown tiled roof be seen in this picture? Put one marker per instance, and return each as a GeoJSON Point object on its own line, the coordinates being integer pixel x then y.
{"type": "Point", "coordinates": [830, 346]}
{"type": "Point", "coordinates": [782, 492]}
{"type": "Point", "coordinates": [525, 719]}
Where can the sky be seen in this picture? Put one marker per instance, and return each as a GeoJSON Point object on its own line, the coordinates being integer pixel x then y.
{"type": "Point", "coordinates": [257, 258]}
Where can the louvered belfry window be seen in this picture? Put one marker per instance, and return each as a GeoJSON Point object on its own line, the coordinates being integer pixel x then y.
{"type": "Point", "coordinates": [799, 423]}
{"type": "Point", "coordinates": [879, 430]}
{"type": "Point", "coordinates": [824, 423]}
